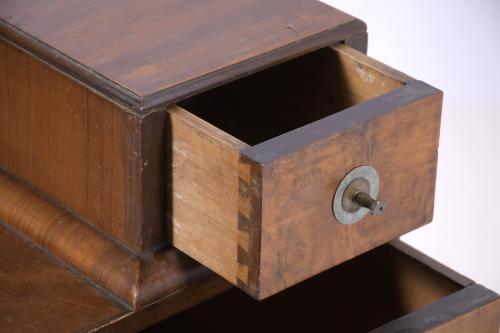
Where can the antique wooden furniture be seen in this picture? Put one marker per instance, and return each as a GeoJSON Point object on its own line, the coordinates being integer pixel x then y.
{"type": "Point", "coordinates": [252, 136]}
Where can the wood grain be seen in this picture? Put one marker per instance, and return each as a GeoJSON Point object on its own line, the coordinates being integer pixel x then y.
{"type": "Point", "coordinates": [86, 153]}
{"type": "Point", "coordinates": [204, 184]}
{"type": "Point", "coordinates": [137, 280]}
{"type": "Point", "coordinates": [40, 295]}
{"type": "Point", "coordinates": [249, 233]}
{"type": "Point", "coordinates": [4, 116]}
{"type": "Point", "coordinates": [307, 123]}
{"type": "Point", "coordinates": [364, 78]}
{"type": "Point", "coordinates": [298, 188]}
{"type": "Point", "coordinates": [147, 55]}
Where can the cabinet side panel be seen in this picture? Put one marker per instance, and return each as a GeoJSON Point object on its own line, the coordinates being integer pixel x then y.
{"type": "Point", "coordinates": [70, 143]}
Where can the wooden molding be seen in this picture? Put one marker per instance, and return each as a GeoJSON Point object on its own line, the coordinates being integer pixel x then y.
{"type": "Point", "coordinates": [143, 78]}
{"type": "Point", "coordinates": [138, 280]}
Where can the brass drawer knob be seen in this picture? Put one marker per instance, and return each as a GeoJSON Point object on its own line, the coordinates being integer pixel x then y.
{"type": "Point", "coordinates": [356, 195]}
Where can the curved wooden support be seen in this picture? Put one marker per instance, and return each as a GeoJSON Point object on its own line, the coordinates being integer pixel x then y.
{"type": "Point", "coordinates": [136, 279]}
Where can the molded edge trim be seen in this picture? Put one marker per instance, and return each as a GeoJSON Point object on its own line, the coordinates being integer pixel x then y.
{"type": "Point", "coordinates": [290, 142]}
{"type": "Point", "coordinates": [137, 280]}
{"type": "Point", "coordinates": [142, 104]}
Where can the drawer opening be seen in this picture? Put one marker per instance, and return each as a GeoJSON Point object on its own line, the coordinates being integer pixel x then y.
{"type": "Point", "coordinates": [357, 296]}
{"type": "Point", "coordinates": [293, 94]}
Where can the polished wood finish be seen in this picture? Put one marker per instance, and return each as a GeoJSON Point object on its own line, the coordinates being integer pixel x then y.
{"type": "Point", "coordinates": [150, 54]}
{"type": "Point", "coordinates": [299, 128]}
{"type": "Point", "coordinates": [99, 160]}
{"type": "Point", "coordinates": [40, 295]}
{"type": "Point", "coordinates": [97, 147]}
{"type": "Point", "coordinates": [94, 137]}
{"type": "Point", "coordinates": [137, 280]}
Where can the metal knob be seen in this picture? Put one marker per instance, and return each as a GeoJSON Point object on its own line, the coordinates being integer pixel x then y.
{"type": "Point", "coordinates": [356, 196]}
{"type": "Point", "coordinates": [363, 199]}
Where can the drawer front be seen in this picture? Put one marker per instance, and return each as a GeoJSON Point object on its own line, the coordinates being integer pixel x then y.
{"type": "Point", "coordinates": [260, 213]}
{"type": "Point", "coordinates": [390, 289]}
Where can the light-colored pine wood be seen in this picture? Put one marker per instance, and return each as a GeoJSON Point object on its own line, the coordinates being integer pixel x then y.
{"type": "Point", "coordinates": [204, 189]}
{"type": "Point", "coordinates": [365, 78]}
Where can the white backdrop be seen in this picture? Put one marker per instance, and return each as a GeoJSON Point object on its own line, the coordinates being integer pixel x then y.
{"type": "Point", "coordinates": [455, 46]}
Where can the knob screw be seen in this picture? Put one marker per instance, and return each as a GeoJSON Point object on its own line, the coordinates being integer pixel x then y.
{"type": "Point", "coordinates": [363, 199]}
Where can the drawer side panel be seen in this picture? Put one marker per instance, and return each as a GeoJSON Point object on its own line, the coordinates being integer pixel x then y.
{"type": "Point", "coordinates": [203, 221]}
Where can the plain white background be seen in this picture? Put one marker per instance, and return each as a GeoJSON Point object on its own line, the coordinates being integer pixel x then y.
{"type": "Point", "coordinates": [453, 45]}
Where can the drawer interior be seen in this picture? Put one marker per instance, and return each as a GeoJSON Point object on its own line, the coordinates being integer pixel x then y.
{"type": "Point", "coordinates": [290, 95]}
{"type": "Point", "coordinates": [357, 296]}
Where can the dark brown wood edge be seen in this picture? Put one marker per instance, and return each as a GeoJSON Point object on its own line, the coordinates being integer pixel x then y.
{"type": "Point", "coordinates": [358, 42]}
{"type": "Point", "coordinates": [443, 311]}
{"type": "Point", "coordinates": [431, 263]}
{"type": "Point", "coordinates": [166, 307]}
{"type": "Point", "coordinates": [299, 138]}
{"type": "Point", "coordinates": [67, 65]}
{"type": "Point", "coordinates": [137, 280]}
{"type": "Point", "coordinates": [249, 226]}
{"type": "Point", "coordinates": [253, 65]}
{"type": "Point", "coordinates": [142, 104]}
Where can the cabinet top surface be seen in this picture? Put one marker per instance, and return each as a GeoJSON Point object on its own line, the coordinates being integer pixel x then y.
{"type": "Point", "coordinates": [166, 49]}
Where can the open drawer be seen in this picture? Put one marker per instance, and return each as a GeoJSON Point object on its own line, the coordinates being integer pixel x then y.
{"type": "Point", "coordinates": [390, 289]}
{"type": "Point", "coordinates": [256, 165]}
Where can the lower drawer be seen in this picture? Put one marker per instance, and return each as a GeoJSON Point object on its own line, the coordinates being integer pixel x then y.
{"type": "Point", "coordinates": [393, 288]}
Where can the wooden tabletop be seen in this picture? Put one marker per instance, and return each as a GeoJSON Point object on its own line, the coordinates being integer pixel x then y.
{"type": "Point", "coordinates": [152, 52]}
